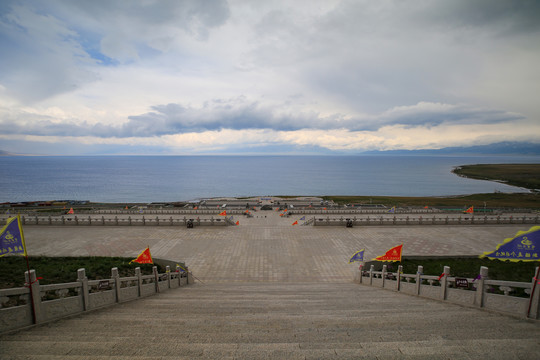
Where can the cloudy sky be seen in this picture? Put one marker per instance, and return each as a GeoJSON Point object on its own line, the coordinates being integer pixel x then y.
{"type": "Point", "coordinates": [291, 76]}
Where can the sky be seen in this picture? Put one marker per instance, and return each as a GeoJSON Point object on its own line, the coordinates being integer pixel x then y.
{"type": "Point", "coordinates": [179, 77]}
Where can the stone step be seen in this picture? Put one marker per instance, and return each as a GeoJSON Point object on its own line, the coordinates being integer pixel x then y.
{"type": "Point", "coordinates": [279, 321]}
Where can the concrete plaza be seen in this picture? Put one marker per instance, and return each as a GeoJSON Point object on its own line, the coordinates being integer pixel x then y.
{"type": "Point", "coordinates": [266, 247]}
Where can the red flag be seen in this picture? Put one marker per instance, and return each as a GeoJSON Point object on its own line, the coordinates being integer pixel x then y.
{"type": "Point", "coordinates": [469, 210]}
{"type": "Point", "coordinates": [144, 257]}
{"type": "Point", "coordinates": [224, 213]}
{"type": "Point", "coordinates": [394, 254]}
{"type": "Point", "coordinates": [238, 223]}
{"type": "Point", "coordinates": [71, 211]}
{"type": "Point", "coordinates": [295, 223]}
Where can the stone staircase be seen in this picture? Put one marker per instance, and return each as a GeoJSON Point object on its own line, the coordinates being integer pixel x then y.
{"type": "Point", "coordinates": [268, 320]}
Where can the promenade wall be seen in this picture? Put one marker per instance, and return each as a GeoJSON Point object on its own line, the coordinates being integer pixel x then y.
{"type": "Point", "coordinates": [38, 304]}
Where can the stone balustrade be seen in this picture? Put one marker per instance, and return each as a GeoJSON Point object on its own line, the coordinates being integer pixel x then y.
{"type": "Point", "coordinates": [425, 220]}
{"type": "Point", "coordinates": [511, 297]}
{"type": "Point", "coordinates": [37, 304]}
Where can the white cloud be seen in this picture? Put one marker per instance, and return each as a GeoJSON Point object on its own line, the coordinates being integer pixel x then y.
{"type": "Point", "coordinates": [341, 75]}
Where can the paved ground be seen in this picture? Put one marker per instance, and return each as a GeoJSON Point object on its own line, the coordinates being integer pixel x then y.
{"type": "Point", "coordinates": [266, 247]}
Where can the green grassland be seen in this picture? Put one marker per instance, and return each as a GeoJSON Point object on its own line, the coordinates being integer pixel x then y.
{"type": "Point", "coordinates": [522, 175]}
{"type": "Point", "coordinates": [491, 200]}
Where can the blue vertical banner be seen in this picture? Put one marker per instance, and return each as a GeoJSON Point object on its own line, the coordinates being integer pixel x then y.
{"type": "Point", "coordinates": [12, 238]}
{"type": "Point", "coordinates": [524, 246]}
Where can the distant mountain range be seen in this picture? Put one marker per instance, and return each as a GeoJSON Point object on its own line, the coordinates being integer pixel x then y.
{"type": "Point", "coordinates": [502, 148]}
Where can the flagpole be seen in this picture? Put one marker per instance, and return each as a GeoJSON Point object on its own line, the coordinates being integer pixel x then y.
{"type": "Point", "coordinates": [28, 268]}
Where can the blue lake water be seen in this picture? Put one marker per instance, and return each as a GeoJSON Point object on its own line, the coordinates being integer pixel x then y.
{"type": "Point", "coordinates": [178, 178]}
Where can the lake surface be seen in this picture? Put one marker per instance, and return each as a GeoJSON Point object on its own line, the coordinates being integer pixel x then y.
{"type": "Point", "coordinates": [179, 178]}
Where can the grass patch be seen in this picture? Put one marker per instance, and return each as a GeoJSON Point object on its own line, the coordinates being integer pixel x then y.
{"type": "Point", "coordinates": [491, 200]}
{"type": "Point", "coordinates": [55, 270]}
{"type": "Point", "coordinates": [522, 175]}
{"type": "Point", "coordinates": [470, 268]}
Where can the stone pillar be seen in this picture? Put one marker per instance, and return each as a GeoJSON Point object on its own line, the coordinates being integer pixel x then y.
{"type": "Point", "coordinates": [63, 220]}
{"type": "Point", "coordinates": [116, 220]}
{"type": "Point", "coordinates": [143, 221]}
{"type": "Point", "coordinates": [534, 306]}
{"type": "Point", "coordinates": [189, 277]}
{"type": "Point", "coordinates": [399, 271]}
{"type": "Point", "coordinates": [50, 220]}
{"type": "Point", "coordinates": [384, 267]}
{"type": "Point", "coordinates": [139, 281]}
{"type": "Point", "coordinates": [371, 268]}
{"type": "Point", "coordinates": [168, 276]}
{"type": "Point", "coordinates": [179, 275]}
{"type": "Point", "coordinates": [76, 220]}
{"type": "Point", "coordinates": [89, 220]}
{"type": "Point", "coordinates": [116, 278]}
{"type": "Point", "coordinates": [444, 282]}
{"type": "Point", "coordinates": [35, 296]}
{"type": "Point", "coordinates": [157, 220]}
{"type": "Point", "coordinates": [361, 268]}
{"type": "Point", "coordinates": [419, 273]}
{"type": "Point", "coordinates": [480, 293]}
{"type": "Point", "coordinates": [81, 277]}
{"type": "Point", "coordinates": [156, 277]}
{"type": "Point", "coordinates": [129, 220]}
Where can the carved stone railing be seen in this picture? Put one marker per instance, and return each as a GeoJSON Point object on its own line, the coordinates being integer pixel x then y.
{"type": "Point", "coordinates": [516, 298]}
{"type": "Point", "coordinates": [37, 304]}
{"type": "Point", "coordinates": [424, 220]}
{"type": "Point", "coordinates": [89, 220]}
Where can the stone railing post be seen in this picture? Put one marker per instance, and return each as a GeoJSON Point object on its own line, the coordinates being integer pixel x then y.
{"type": "Point", "coordinates": [444, 282]}
{"type": "Point", "coordinates": [81, 277]}
{"type": "Point", "coordinates": [168, 276]}
{"type": "Point", "coordinates": [139, 281]}
{"type": "Point", "coordinates": [35, 297]}
{"type": "Point", "coordinates": [371, 268]}
{"type": "Point", "coordinates": [534, 306]}
{"type": "Point", "coordinates": [129, 220]}
{"type": "Point", "coordinates": [116, 277]}
{"type": "Point", "coordinates": [480, 293]}
{"type": "Point", "coordinates": [189, 277]}
{"type": "Point", "coordinates": [361, 268]}
{"type": "Point", "coordinates": [156, 278]}
{"type": "Point", "coordinates": [399, 271]}
{"type": "Point", "coordinates": [179, 275]}
{"type": "Point", "coordinates": [143, 220]}
{"type": "Point", "coordinates": [384, 267]}
{"type": "Point", "coordinates": [419, 273]}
